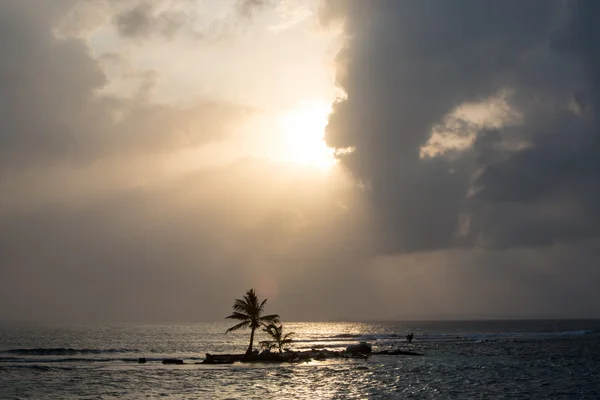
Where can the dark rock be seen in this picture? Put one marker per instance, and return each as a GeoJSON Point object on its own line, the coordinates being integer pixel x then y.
{"type": "Point", "coordinates": [398, 352]}
{"type": "Point", "coordinates": [142, 360]}
{"type": "Point", "coordinates": [266, 358]}
{"type": "Point", "coordinates": [358, 355]}
{"type": "Point", "coordinates": [172, 361]}
{"type": "Point", "coordinates": [216, 360]}
{"type": "Point", "coordinates": [361, 348]}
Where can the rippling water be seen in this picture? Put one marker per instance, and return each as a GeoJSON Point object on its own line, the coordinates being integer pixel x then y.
{"type": "Point", "coordinates": [463, 360]}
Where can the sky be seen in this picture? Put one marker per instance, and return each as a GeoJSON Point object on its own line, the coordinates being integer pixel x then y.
{"type": "Point", "coordinates": [348, 159]}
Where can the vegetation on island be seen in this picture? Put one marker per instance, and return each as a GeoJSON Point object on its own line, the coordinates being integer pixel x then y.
{"type": "Point", "coordinates": [279, 339]}
{"type": "Point", "coordinates": [249, 311]}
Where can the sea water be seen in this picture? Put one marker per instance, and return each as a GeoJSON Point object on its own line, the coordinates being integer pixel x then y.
{"type": "Point", "coordinates": [462, 360]}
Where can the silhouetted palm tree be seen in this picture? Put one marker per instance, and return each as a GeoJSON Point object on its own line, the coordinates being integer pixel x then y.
{"type": "Point", "coordinates": [249, 311]}
{"type": "Point", "coordinates": [276, 333]}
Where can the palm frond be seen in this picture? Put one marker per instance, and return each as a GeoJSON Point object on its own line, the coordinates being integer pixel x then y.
{"type": "Point", "coordinates": [271, 330]}
{"type": "Point", "coordinates": [268, 345]}
{"type": "Point", "coordinates": [238, 316]}
{"type": "Point", "coordinates": [275, 331]}
{"type": "Point", "coordinates": [241, 325]}
{"type": "Point", "coordinates": [251, 298]}
{"type": "Point", "coordinates": [262, 305]}
{"type": "Point", "coordinates": [242, 307]}
{"type": "Point", "coordinates": [274, 318]}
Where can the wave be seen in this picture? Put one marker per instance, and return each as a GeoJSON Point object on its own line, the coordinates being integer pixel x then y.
{"type": "Point", "coordinates": [346, 338]}
{"type": "Point", "coordinates": [61, 351]}
{"type": "Point", "coordinates": [41, 368]}
{"type": "Point", "coordinates": [354, 335]}
{"type": "Point", "coordinates": [62, 360]}
{"type": "Point", "coordinates": [43, 359]}
{"type": "Point", "coordinates": [342, 340]}
{"type": "Point", "coordinates": [525, 335]}
{"type": "Point", "coordinates": [439, 337]}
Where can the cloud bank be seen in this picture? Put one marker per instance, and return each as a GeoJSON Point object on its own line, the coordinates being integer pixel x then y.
{"type": "Point", "coordinates": [408, 65]}
{"type": "Point", "coordinates": [468, 182]}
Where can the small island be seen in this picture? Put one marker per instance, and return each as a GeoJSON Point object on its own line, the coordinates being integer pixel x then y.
{"type": "Point", "coordinates": [249, 311]}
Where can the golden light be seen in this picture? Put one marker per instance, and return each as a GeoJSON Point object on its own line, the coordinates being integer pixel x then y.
{"type": "Point", "coordinates": [302, 130]}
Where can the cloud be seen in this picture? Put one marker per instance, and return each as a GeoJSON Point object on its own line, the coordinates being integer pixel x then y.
{"type": "Point", "coordinates": [524, 282]}
{"type": "Point", "coordinates": [77, 166]}
{"type": "Point", "coordinates": [407, 66]}
{"type": "Point", "coordinates": [148, 18]}
{"type": "Point", "coordinates": [84, 17]}
{"type": "Point", "coordinates": [171, 250]}
{"type": "Point", "coordinates": [166, 19]}
{"type": "Point", "coordinates": [96, 225]}
{"type": "Point", "coordinates": [248, 8]}
{"type": "Point", "coordinates": [52, 109]}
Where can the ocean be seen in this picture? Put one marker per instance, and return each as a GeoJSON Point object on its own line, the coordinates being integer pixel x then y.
{"type": "Point", "coordinates": [550, 359]}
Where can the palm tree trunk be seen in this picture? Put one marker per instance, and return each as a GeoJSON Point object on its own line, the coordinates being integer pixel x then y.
{"type": "Point", "coordinates": [249, 351]}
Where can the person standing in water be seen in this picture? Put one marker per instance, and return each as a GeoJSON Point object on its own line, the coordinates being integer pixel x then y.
{"type": "Point", "coordinates": [409, 337]}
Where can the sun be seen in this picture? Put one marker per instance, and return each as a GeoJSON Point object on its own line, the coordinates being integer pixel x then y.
{"type": "Point", "coordinates": [302, 129]}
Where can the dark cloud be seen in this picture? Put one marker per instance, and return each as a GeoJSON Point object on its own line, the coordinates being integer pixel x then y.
{"type": "Point", "coordinates": [549, 189]}
{"type": "Point", "coordinates": [150, 18]}
{"type": "Point", "coordinates": [249, 8]}
{"type": "Point", "coordinates": [555, 282]}
{"type": "Point", "coordinates": [144, 19]}
{"type": "Point", "coordinates": [408, 64]}
{"type": "Point", "coordinates": [35, 72]}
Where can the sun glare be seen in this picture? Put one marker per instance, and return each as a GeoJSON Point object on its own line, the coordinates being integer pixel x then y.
{"type": "Point", "coordinates": [302, 129]}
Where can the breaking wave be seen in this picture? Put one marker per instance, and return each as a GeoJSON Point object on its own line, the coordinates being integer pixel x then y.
{"type": "Point", "coordinates": [61, 351]}
{"type": "Point", "coordinates": [441, 337]}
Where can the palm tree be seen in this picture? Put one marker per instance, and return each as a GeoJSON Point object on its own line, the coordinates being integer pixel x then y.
{"type": "Point", "coordinates": [276, 333]}
{"type": "Point", "coordinates": [249, 311]}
